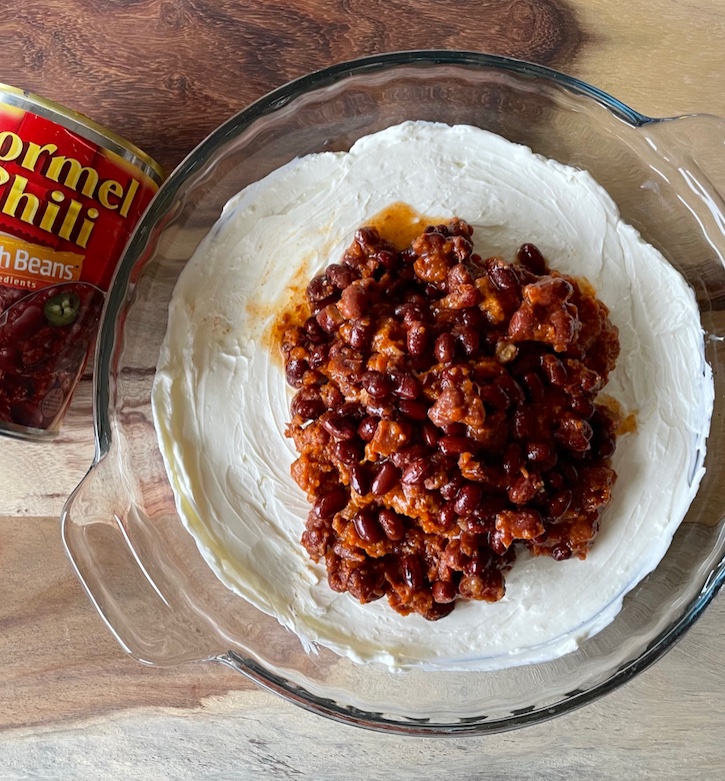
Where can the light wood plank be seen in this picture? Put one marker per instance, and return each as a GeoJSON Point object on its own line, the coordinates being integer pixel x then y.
{"type": "Point", "coordinates": [164, 73]}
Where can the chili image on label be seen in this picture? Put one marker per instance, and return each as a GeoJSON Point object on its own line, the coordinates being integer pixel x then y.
{"type": "Point", "coordinates": [71, 193]}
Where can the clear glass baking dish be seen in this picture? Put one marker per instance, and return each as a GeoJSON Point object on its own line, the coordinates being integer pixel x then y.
{"type": "Point", "coordinates": [140, 567]}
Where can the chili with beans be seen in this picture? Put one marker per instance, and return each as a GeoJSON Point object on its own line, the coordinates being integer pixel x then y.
{"type": "Point", "coordinates": [44, 340]}
{"type": "Point", "coordinates": [446, 417]}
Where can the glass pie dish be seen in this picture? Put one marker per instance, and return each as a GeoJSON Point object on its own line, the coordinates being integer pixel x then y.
{"type": "Point", "coordinates": [141, 568]}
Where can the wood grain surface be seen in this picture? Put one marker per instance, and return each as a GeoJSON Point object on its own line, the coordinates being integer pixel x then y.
{"type": "Point", "coordinates": [163, 73]}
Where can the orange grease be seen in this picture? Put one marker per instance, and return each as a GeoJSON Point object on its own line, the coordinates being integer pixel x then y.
{"type": "Point", "coordinates": [400, 223]}
{"type": "Point", "coordinates": [627, 423]}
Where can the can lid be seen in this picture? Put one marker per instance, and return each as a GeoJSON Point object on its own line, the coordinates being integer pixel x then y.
{"type": "Point", "coordinates": [83, 126]}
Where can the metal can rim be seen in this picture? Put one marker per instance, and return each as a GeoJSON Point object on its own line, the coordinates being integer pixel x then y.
{"type": "Point", "coordinates": [84, 127]}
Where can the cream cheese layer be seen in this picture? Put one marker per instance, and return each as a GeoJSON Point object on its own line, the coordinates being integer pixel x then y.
{"type": "Point", "coordinates": [220, 399]}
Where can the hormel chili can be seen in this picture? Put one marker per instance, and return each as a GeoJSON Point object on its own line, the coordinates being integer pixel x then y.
{"type": "Point", "coordinates": [71, 193]}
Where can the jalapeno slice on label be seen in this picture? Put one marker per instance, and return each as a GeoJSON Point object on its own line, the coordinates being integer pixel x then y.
{"type": "Point", "coordinates": [62, 309]}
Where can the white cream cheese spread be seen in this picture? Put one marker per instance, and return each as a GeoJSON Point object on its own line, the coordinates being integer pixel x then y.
{"type": "Point", "coordinates": [221, 402]}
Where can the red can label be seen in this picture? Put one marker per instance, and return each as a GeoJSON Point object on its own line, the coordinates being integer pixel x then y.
{"type": "Point", "coordinates": [67, 208]}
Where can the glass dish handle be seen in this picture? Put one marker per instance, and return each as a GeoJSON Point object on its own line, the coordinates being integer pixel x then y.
{"type": "Point", "coordinates": [698, 142]}
{"type": "Point", "coordinates": [128, 574]}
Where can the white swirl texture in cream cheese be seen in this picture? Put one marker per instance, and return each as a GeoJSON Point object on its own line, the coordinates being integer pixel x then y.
{"type": "Point", "coordinates": [221, 402]}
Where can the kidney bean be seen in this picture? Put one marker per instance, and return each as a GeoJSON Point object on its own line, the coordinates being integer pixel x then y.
{"type": "Point", "coordinates": [353, 302]}
{"type": "Point", "coordinates": [407, 386]}
{"type": "Point", "coordinates": [477, 564]}
{"type": "Point", "coordinates": [454, 429]}
{"type": "Point", "coordinates": [416, 410]}
{"type": "Point", "coordinates": [505, 279]}
{"type": "Point", "coordinates": [314, 331]}
{"type": "Point", "coordinates": [512, 460]}
{"type": "Point", "coordinates": [530, 257]}
{"type": "Point", "coordinates": [468, 498]}
{"type": "Point", "coordinates": [523, 423]}
{"type": "Point", "coordinates": [386, 479]}
{"type": "Point", "coordinates": [447, 515]}
{"type": "Point", "coordinates": [472, 587]}
{"type": "Point", "coordinates": [538, 452]}
{"type": "Point", "coordinates": [308, 404]}
{"type": "Point", "coordinates": [360, 478]}
{"type": "Point", "coordinates": [367, 238]}
{"type": "Point", "coordinates": [417, 339]}
{"type": "Point", "coordinates": [455, 445]}
{"type": "Point", "coordinates": [348, 451]}
{"type": "Point", "coordinates": [361, 332]}
{"type": "Point", "coordinates": [341, 276]}
{"type": "Point", "coordinates": [444, 592]}
{"type": "Point", "coordinates": [559, 503]}
{"type": "Point", "coordinates": [367, 526]}
{"type": "Point", "coordinates": [522, 324]}
{"type": "Point", "coordinates": [392, 524]}
{"type": "Point", "coordinates": [554, 370]}
{"type": "Point", "coordinates": [497, 542]}
{"type": "Point", "coordinates": [409, 312]}
{"type": "Point", "coordinates": [582, 406]}
{"type": "Point", "coordinates": [330, 318]}
{"type": "Point", "coordinates": [534, 385]}
{"type": "Point", "coordinates": [354, 259]}
{"type": "Point", "coordinates": [429, 433]}
{"type": "Point", "coordinates": [561, 552]}
{"type": "Point", "coordinates": [295, 371]}
{"type": "Point", "coordinates": [319, 289]}
{"type": "Point", "coordinates": [444, 348]}
{"type": "Point", "coordinates": [469, 339]}
{"type": "Point", "coordinates": [339, 427]}
{"type": "Point", "coordinates": [366, 429]}
{"type": "Point", "coordinates": [511, 388]}
{"type": "Point", "coordinates": [605, 445]}
{"type": "Point", "coordinates": [450, 489]}
{"type": "Point", "coordinates": [387, 259]}
{"type": "Point", "coordinates": [352, 410]}
{"type": "Point", "coordinates": [471, 318]}
{"type": "Point", "coordinates": [412, 572]}
{"type": "Point", "coordinates": [330, 503]}
{"type": "Point", "coordinates": [416, 471]}
{"type": "Point", "coordinates": [366, 583]}
{"type": "Point", "coordinates": [377, 384]}
{"type": "Point", "coordinates": [492, 395]}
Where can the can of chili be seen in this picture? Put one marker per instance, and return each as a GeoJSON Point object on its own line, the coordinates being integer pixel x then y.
{"type": "Point", "coordinates": [71, 193]}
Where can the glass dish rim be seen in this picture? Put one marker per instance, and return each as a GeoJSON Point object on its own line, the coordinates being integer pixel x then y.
{"type": "Point", "coordinates": [108, 336]}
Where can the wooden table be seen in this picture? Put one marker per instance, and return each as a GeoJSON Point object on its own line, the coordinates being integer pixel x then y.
{"type": "Point", "coordinates": [163, 73]}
